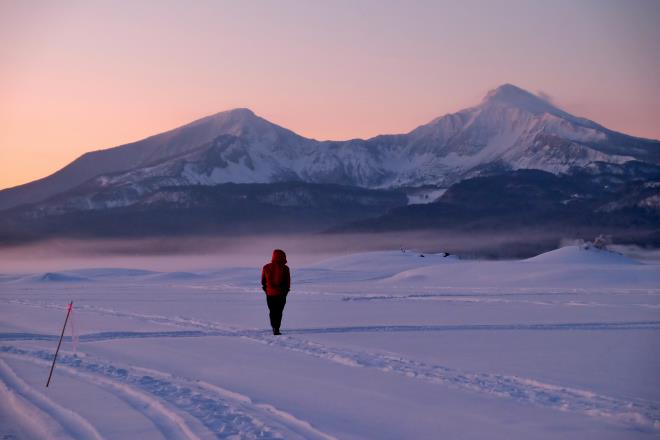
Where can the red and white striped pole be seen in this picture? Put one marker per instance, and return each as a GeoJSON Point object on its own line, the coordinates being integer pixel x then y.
{"type": "Point", "coordinates": [52, 367]}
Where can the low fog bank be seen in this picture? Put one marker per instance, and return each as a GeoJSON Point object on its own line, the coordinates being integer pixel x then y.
{"type": "Point", "coordinates": [638, 253]}
{"type": "Point", "coordinates": [200, 253]}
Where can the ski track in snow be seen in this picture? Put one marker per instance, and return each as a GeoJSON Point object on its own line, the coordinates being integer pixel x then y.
{"type": "Point", "coordinates": [43, 410]}
{"type": "Point", "coordinates": [28, 421]}
{"type": "Point", "coordinates": [639, 414]}
{"type": "Point", "coordinates": [224, 414]}
{"type": "Point", "coordinates": [169, 424]}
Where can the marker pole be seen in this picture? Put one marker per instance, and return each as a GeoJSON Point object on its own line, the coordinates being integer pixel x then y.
{"type": "Point", "coordinates": [52, 367]}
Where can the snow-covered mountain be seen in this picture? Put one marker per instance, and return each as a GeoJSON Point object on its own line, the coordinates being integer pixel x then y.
{"type": "Point", "coordinates": [241, 123]}
{"type": "Point", "coordinates": [510, 129]}
{"type": "Point", "coordinates": [514, 129]}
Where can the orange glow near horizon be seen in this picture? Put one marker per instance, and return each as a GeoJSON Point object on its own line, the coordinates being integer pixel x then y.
{"type": "Point", "coordinates": [80, 76]}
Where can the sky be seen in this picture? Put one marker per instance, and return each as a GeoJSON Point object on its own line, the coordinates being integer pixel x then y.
{"type": "Point", "coordinates": [77, 76]}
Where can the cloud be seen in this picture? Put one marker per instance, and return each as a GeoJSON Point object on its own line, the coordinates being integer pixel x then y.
{"type": "Point", "coordinates": [544, 96]}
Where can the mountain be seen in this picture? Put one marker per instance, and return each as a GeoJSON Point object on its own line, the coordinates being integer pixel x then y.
{"type": "Point", "coordinates": [241, 123]}
{"type": "Point", "coordinates": [513, 162]}
{"type": "Point", "coordinates": [514, 129]}
{"type": "Point", "coordinates": [622, 201]}
{"type": "Point", "coordinates": [510, 129]}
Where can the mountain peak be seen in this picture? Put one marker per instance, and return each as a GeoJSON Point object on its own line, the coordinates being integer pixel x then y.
{"type": "Point", "coordinates": [234, 121]}
{"type": "Point", "coordinates": [508, 91]}
{"type": "Point", "coordinates": [239, 122]}
{"type": "Point", "coordinates": [239, 111]}
{"type": "Point", "coordinates": [513, 96]}
{"type": "Point", "coordinates": [236, 114]}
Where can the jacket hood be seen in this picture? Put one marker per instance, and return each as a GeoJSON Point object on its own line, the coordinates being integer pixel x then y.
{"type": "Point", "coordinates": [279, 256]}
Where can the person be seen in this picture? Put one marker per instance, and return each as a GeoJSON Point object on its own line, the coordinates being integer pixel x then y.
{"type": "Point", "coordinates": [276, 282]}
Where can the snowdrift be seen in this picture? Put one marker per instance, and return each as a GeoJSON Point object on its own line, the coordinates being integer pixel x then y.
{"type": "Point", "coordinates": [570, 266]}
{"type": "Point", "coordinates": [582, 255]}
{"type": "Point", "coordinates": [58, 277]}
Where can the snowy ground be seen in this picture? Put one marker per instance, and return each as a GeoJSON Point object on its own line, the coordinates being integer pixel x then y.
{"type": "Point", "coordinates": [383, 345]}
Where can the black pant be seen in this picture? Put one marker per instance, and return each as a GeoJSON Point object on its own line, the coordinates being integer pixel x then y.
{"type": "Point", "coordinates": [276, 306]}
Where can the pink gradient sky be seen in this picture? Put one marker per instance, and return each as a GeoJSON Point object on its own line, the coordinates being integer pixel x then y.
{"type": "Point", "coordinates": [77, 76]}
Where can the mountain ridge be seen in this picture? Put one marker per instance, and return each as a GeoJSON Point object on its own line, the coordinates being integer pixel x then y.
{"type": "Point", "coordinates": [511, 128]}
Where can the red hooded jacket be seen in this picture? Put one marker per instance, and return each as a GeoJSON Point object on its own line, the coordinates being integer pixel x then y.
{"type": "Point", "coordinates": [275, 276]}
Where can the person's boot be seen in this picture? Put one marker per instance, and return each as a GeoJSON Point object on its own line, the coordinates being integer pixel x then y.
{"type": "Point", "coordinates": [276, 331]}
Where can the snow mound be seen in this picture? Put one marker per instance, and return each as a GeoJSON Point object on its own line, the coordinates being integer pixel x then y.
{"type": "Point", "coordinates": [111, 272]}
{"type": "Point", "coordinates": [581, 255]}
{"type": "Point", "coordinates": [104, 275]}
{"type": "Point", "coordinates": [59, 277]}
{"type": "Point", "coordinates": [9, 278]}
{"type": "Point", "coordinates": [413, 276]}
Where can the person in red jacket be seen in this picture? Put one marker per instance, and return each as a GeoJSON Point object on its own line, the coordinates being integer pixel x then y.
{"type": "Point", "coordinates": [276, 282]}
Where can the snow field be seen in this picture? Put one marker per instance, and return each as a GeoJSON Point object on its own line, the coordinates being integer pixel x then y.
{"type": "Point", "coordinates": [376, 345]}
